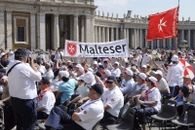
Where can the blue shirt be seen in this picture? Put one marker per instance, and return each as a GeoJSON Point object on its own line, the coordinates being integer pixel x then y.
{"type": "Point", "coordinates": [67, 90]}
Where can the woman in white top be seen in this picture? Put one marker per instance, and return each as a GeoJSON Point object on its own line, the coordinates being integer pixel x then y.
{"type": "Point", "coordinates": [150, 102]}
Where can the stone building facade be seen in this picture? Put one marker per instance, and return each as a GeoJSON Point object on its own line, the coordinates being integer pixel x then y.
{"type": "Point", "coordinates": [46, 24]}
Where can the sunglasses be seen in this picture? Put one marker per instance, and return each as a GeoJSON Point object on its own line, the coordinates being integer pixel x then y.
{"type": "Point", "coordinates": [109, 82]}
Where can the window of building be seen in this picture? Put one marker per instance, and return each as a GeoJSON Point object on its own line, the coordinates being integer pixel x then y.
{"type": "Point", "coordinates": [21, 30]}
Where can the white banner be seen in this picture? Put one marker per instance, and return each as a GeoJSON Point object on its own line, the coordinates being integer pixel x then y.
{"type": "Point", "coordinates": [105, 49]}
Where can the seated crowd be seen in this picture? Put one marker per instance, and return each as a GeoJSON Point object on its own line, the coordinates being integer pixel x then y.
{"type": "Point", "coordinates": [77, 96]}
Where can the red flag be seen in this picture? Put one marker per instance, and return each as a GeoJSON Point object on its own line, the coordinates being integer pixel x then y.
{"type": "Point", "coordinates": [163, 25]}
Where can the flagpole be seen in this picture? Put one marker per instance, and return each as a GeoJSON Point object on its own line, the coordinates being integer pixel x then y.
{"type": "Point", "coordinates": [179, 3]}
{"type": "Point", "coordinates": [177, 30]}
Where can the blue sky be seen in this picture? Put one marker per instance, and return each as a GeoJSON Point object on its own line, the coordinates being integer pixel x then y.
{"type": "Point", "coordinates": [146, 7]}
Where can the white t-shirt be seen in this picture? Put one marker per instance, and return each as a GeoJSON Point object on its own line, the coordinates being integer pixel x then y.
{"type": "Point", "coordinates": [91, 112]}
{"type": "Point", "coordinates": [154, 95]}
{"type": "Point", "coordinates": [146, 59]}
{"type": "Point", "coordinates": [163, 85]}
{"type": "Point", "coordinates": [48, 101]}
{"type": "Point", "coordinates": [175, 75]}
{"type": "Point", "coordinates": [115, 99]}
{"type": "Point", "coordinates": [116, 72]}
{"type": "Point", "coordinates": [49, 74]}
{"type": "Point", "coordinates": [42, 69]}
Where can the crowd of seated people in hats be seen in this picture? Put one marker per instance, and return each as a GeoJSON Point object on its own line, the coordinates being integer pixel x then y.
{"type": "Point", "coordinates": [76, 96]}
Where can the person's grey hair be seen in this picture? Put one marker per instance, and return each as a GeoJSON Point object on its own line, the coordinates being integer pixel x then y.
{"type": "Point", "coordinates": [21, 53]}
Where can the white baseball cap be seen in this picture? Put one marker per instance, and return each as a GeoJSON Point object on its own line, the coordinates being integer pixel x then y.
{"type": "Point", "coordinates": [89, 78]}
{"type": "Point", "coordinates": [95, 62]}
{"type": "Point", "coordinates": [129, 72]}
{"type": "Point", "coordinates": [142, 76]}
{"type": "Point", "coordinates": [175, 58]}
{"type": "Point", "coordinates": [105, 59]}
{"type": "Point", "coordinates": [117, 63]}
{"type": "Point", "coordinates": [107, 72]}
{"type": "Point", "coordinates": [63, 73]}
{"type": "Point", "coordinates": [158, 72]}
{"type": "Point", "coordinates": [144, 66]}
{"type": "Point", "coordinates": [153, 79]}
{"type": "Point", "coordinates": [80, 67]}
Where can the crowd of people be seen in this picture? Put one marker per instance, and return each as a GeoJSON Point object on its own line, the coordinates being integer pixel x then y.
{"type": "Point", "coordinates": [76, 95]}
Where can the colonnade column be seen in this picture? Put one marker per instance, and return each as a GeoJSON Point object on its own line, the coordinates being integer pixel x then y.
{"type": "Point", "coordinates": [89, 28]}
{"type": "Point", "coordinates": [138, 37]}
{"type": "Point", "coordinates": [33, 31]}
{"type": "Point", "coordinates": [83, 29]}
{"type": "Point", "coordinates": [117, 33]}
{"type": "Point", "coordinates": [76, 28]}
{"type": "Point", "coordinates": [182, 34]}
{"type": "Point", "coordinates": [9, 29]}
{"type": "Point", "coordinates": [41, 31]}
{"type": "Point", "coordinates": [2, 32]}
{"type": "Point", "coordinates": [100, 34]}
{"type": "Point", "coordinates": [141, 38]}
{"type": "Point", "coordinates": [146, 42]}
{"type": "Point", "coordinates": [164, 43]}
{"type": "Point", "coordinates": [108, 34]}
{"type": "Point", "coordinates": [56, 43]}
{"type": "Point", "coordinates": [95, 32]}
{"type": "Point", "coordinates": [103, 34]}
{"type": "Point", "coordinates": [135, 38]}
{"type": "Point", "coordinates": [189, 39]}
{"type": "Point", "coordinates": [193, 39]}
{"type": "Point", "coordinates": [127, 35]}
{"type": "Point", "coordinates": [169, 41]}
{"type": "Point", "coordinates": [158, 43]}
{"type": "Point", "coordinates": [152, 44]}
{"type": "Point", "coordinates": [112, 34]}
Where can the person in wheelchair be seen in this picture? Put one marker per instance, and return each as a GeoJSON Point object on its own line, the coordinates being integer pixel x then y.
{"type": "Point", "coordinates": [136, 89]}
{"type": "Point", "coordinates": [149, 103]}
{"type": "Point", "coordinates": [83, 118]}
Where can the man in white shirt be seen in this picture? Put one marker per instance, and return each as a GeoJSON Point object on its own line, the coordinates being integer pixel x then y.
{"type": "Point", "coordinates": [175, 76]}
{"type": "Point", "coordinates": [116, 72]}
{"type": "Point", "coordinates": [137, 88]}
{"type": "Point", "coordinates": [162, 83]}
{"type": "Point", "coordinates": [146, 59]}
{"type": "Point", "coordinates": [128, 78]}
{"type": "Point", "coordinates": [22, 88]}
{"type": "Point", "coordinates": [84, 118]}
{"type": "Point", "coordinates": [113, 100]}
